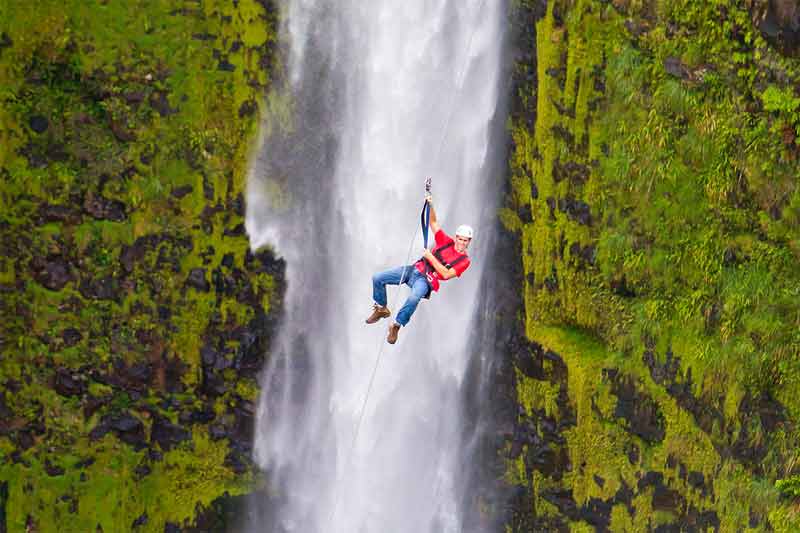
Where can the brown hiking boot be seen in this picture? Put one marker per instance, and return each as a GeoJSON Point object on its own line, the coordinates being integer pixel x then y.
{"type": "Point", "coordinates": [394, 329]}
{"type": "Point", "coordinates": [378, 312]}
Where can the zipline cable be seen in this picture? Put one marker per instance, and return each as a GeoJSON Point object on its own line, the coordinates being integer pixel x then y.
{"type": "Point", "coordinates": [425, 219]}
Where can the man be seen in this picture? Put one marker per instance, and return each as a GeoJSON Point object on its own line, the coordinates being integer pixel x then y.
{"type": "Point", "coordinates": [449, 259]}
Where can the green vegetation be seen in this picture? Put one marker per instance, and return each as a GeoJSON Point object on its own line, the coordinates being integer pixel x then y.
{"type": "Point", "coordinates": [125, 130]}
{"type": "Point", "coordinates": [657, 202]}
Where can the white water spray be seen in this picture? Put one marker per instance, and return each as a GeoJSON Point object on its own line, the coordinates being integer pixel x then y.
{"type": "Point", "coordinates": [375, 84]}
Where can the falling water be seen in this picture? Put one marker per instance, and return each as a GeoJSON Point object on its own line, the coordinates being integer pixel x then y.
{"type": "Point", "coordinates": [383, 94]}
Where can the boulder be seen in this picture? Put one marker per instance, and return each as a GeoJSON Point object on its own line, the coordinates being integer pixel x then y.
{"type": "Point", "coordinates": [168, 435]}
{"type": "Point", "coordinates": [38, 123]}
{"type": "Point", "coordinates": [68, 384]}
{"type": "Point", "coordinates": [53, 272]}
{"type": "Point", "coordinates": [102, 208]}
{"type": "Point", "coordinates": [197, 279]}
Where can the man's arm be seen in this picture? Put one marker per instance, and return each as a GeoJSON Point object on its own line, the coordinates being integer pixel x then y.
{"type": "Point", "coordinates": [445, 273]}
{"type": "Point", "coordinates": [433, 222]}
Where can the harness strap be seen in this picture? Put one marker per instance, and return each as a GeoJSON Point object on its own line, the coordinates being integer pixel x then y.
{"type": "Point", "coordinates": [424, 220]}
{"type": "Point", "coordinates": [438, 254]}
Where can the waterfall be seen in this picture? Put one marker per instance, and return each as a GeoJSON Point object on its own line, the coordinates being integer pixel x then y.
{"type": "Point", "coordinates": [383, 94]}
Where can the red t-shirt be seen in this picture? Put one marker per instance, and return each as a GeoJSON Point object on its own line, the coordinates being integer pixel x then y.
{"type": "Point", "coordinates": [449, 255]}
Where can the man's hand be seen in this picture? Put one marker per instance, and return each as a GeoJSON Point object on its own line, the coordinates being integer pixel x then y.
{"type": "Point", "coordinates": [427, 254]}
{"type": "Point", "coordinates": [429, 198]}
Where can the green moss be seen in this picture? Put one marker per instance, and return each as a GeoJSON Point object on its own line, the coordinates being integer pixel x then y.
{"type": "Point", "coordinates": [140, 101]}
{"type": "Point", "coordinates": [684, 192]}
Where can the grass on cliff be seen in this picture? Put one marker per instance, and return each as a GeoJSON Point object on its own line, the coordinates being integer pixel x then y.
{"type": "Point", "coordinates": [661, 175]}
{"type": "Point", "coordinates": [120, 121]}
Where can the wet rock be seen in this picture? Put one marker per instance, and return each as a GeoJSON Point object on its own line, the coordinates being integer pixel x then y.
{"type": "Point", "coordinates": [52, 470]}
{"type": "Point", "coordinates": [71, 337]}
{"type": "Point", "coordinates": [38, 123]}
{"type": "Point", "coordinates": [563, 500]}
{"type": "Point", "coordinates": [170, 527]}
{"type": "Point", "coordinates": [583, 255]}
{"type": "Point", "coordinates": [236, 462]}
{"type": "Point", "coordinates": [130, 378]}
{"type": "Point", "coordinates": [92, 404]}
{"type": "Point", "coordinates": [577, 210]}
{"type": "Point", "coordinates": [597, 513]}
{"type": "Point", "coordinates": [248, 108]}
{"type": "Point", "coordinates": [218, 432]}
{"type": "Point", "coordinates": [573, 172]}
{"type": "Point", "coordinates": [641, 412]}
{"type": "Point", "coordinates": [52, 272]}
{"type": "Point", "coordinates": [619, 286]}
{"type": "Point", "coordinates": [696, 479]}
{"type": "Point", "coordinates": [213, 384]}
{"type": "Point", "coordinates": [779, 23]}
{"type": "Point", "coordinates": [105, 288]}
{"type": "Point", "coordinates": [103, 208]}
{"type": "Point", "coordinates": [68, 384]}
{"type": "Point", "coordinates": [168, 435]}
{"type": "Point", "coordinates": [84, 463]}
{"type": "Point", "coordinates": [650, 479]}
{"type": "Point", "coordinates": [139, 522]}
{"type": "Point", "coordinates": [205, 36]}
{"type": "Point", "coordinates": [5, 41]}
{"type": "Point", "coordinates": [57, 213]}
{"type": "Point", "coordinates": [667, 499]}
{"type": "Point", "coordinates": [134, 97]}
{"type": "Point", "coordinates": [528, 358]}
{"type": "Point", "coordinates": [197, 279]}
{"type": "Point", "coordinates": [525, 213]}
{"type": "Point", "coordinates": [236, 231]}
{"type": "Point", "coordinates": [180, 192]}
{"type": "Point", "coordinates": [127, 427]}
{"type": "Point", "coordinates": [200, 416]}
{"type": "Point", "coordinates": [226, 66]}
{"type": "Point", "coordinates": [703, 521]}
{"type": "Point", "coordinates": [208, 356]}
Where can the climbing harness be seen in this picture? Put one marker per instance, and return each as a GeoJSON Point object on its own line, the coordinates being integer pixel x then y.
{"type": "Point", "coordinates": [424, 221]}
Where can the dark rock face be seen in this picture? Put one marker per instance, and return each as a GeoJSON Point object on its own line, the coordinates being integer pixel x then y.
{"type": "Point", "coordinates": [139, 522]}
{"type": "Point", "coordinates": [577, 210]}
{"type": "Point", "coordinates": [68, 384]}
{"type": "Point", "coordinates": [53, 273]}
{"type": "Point", "coordinates": [763, 411]}
{"type": "Point", "coordinates": [104, 209]}
{"type": "Point", "coordinates": [180, 192]}
{"type": "Point", "coordinates": [197, 279]}
{"type": "Point", "coordinates": [58, 213]}
{"type": "Point", "coordinates": [779, 23]}
{"type": "Point", "coordinates": [38, 123]}
{"type": "Point", "coordinates": [641, 412]}
{"type": "Point", "coordinates": [71, 337]}
{"type": "Point", "coordinates": [167, 434]}
{"type": "Point", "coordinates": [127, 427]}
{"type": "Point", "coordinates": [104, 288]}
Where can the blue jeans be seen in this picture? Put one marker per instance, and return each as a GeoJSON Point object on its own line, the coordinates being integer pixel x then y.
{"type": "Point", "coordinates": [408, 275]}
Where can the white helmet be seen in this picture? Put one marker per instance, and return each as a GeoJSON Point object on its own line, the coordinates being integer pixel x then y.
{"type": "Point", "coordinates": [464, 231]}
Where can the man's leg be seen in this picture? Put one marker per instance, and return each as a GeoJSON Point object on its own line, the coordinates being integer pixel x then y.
{"type": "Point", "coordinates": [419, 289]}
{"type": "Point", "coordinates": [388, 277]}
{"type": "Point", "coordinates": [379, 281]}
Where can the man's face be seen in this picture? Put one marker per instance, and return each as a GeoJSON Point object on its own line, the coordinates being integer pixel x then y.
{"type": "Point", "coordinates": [462, 243]}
